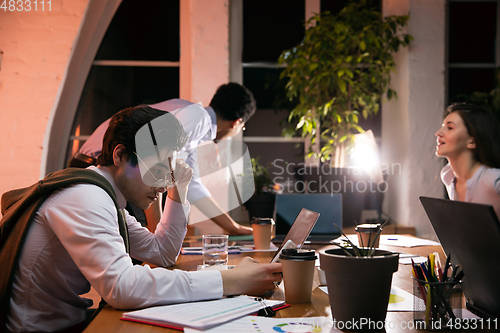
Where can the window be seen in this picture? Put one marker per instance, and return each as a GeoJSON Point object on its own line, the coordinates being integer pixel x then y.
{"type": "Point", "coordinates": [472, 47]}
{"type": "Point", "coordinates": [137, 63]}
{"type": "Point", "coordinates": [270, 27]}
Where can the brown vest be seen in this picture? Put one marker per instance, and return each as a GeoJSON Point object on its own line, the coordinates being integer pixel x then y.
{"type": "Point", "coordinates": [19, 208]}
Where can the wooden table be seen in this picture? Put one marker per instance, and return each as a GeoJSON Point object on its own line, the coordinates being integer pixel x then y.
{"type": "Point", "coordinates": [109, 319]}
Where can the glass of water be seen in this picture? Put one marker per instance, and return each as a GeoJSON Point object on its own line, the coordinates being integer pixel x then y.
{"type": "Point", "coordinates": [214, 248]}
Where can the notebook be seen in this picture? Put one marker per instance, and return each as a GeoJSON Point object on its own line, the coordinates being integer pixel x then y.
{"type": "Point", "coordinates": [199, 315]}
{"type": "Point", "coordinates": [471, 233]}
{"type": "Point", "coordinates": [329, 205]}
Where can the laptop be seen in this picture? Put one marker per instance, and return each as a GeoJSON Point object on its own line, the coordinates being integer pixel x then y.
{"type": "Point", "coordinates": [471, 234]}
{"type": "Point", "coordinates": [300, 229]}
{"type": "Point", "coordinates": [329, 205]}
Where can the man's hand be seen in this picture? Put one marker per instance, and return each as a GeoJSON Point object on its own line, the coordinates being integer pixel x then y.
{"type": "Point", "coordinates": [241, 230]}
{"type": "Point", "coordinates": [211, 208]}
{"type": "Point", "coordinates": [182, 174]}
{"type": "Point", "coordinates": [251, 278]}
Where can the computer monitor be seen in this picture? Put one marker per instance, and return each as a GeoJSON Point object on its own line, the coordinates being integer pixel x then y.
{"type": "Point", "coordinates": [329, 205]}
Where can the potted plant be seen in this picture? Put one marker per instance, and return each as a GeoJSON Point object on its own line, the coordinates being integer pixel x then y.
{"type": "Point", "coordinates": [261, 204]}
{"type": "Point", "coordinates": [359, 282]}
{"type": "Point", "coordinates": [340, 71]}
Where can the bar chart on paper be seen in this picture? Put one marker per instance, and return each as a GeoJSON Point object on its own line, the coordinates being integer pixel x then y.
{"type": "Point", "coordinates": [252, 324]}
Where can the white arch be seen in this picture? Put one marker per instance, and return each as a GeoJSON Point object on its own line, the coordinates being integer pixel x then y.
{"type": "Point", "coordinates": [95, 22]}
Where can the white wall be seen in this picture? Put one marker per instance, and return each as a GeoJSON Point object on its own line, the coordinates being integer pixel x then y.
{"type": "Point", "coordinates": [409, 123]}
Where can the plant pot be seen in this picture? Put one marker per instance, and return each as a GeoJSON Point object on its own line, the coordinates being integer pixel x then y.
{"type": "Point", "coordinates": [359, 287]}
{"type": "Point", "coordinates": [261, 205]}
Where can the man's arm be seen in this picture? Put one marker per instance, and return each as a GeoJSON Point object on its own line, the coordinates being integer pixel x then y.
{"type": "Point", "coordinates": [209, 207]}
{"type": "Point", "coordinates": [251, 278]}
{"type": "Point", "coordinates": [205, 205]}
{"type": "Point", "coordinates": [153, 214]}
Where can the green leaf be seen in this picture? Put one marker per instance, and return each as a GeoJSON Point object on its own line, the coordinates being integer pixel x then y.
{"type": "Point", "coordinates": [389, 93]}
{"type": "Point", "coordinates": [343, 63]}
{"type": "Point", "coordinates": [342, 86]}
{"type": "Point", "coordinates": [301, 123]}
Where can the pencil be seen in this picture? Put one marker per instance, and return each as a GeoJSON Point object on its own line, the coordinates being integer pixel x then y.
{"type": "Point", "coordinates": [420, 287]}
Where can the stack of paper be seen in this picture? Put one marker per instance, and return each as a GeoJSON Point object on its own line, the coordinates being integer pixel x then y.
{"type": "Point", "coordinates": [199, 315]}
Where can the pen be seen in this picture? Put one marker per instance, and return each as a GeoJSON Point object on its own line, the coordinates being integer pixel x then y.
{"type": "Point", "coordinates": [453, 272]}
{"type": "Point", "coordinates": [425, 272]}
{"type": "Point", "coordinates": [420, 287]}
{"type": "Point", "coordinates": [428, 302]}
{"type": "Point", "coordinates": [171, 169]}
{"type": "Point", "coordinates": [235, 247]}
{"type": "Point", "coordinates": [432, 259]}
{"type": "Point", "coordinates": [446, 266]}
{"type": "Point", "coordinates": [438, 269]}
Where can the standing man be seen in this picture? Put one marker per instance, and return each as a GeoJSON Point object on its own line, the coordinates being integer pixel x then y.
{"type": "Point", "coordinates": [78, 234]}
{"type": "Point", "coordinates": [231, 106]}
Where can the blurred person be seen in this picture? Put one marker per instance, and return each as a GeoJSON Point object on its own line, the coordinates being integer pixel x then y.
{"type": "Point", "coordinates": [469, 138]}
{"type": "Point", "coordinates": [231, 106]}
{"type": "Point", "coordinates": [78, 235]}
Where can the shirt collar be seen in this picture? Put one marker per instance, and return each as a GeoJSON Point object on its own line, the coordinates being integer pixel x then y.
{"type": "Point", "coordinates": [476, 175]}
{"type": "Point", "coordinates": [213, 117]}
{"type": "Point", "coordinates": [103, 171]}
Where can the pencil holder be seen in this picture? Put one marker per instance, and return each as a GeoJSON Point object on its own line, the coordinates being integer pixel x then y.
{"type": "Point", "coordinates": [437, 305]}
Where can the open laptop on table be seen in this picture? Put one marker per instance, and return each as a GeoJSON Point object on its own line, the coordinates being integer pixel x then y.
{"type": "Point", "coordinates": [329, 205]}
{"type": "Point", "coordinates": [471, 233]}
{"type": "Point", "coordinates": [300, 229]}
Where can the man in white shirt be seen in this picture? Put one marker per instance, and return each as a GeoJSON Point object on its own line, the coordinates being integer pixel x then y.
{"type": "Point", "coordinates": [231, 106]}
{"type": "Point", "coordinates": [74, 241]}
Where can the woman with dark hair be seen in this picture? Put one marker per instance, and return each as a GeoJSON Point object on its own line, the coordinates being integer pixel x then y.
{"type": "Point", "coordinates": [469, 138]}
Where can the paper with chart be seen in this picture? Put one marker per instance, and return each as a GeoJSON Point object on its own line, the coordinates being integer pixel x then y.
{"type": "Point", "coordinates": [253, 324]}
{"type": "Point", "coordinates": [399, 300]}
{"type": "Point", "coordinates": [200, 315]}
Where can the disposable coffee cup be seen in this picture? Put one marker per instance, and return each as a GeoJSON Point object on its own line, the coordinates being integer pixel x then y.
{"type": "Point", "coordinates": [262, 231]}
{"type": "Point", "coordinates": [366, 235]}
{"type": "Point", "coordinates": [298, 273]}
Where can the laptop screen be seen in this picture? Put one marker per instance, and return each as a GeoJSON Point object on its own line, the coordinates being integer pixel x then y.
{"type": "Point", "coordinates": [329, 205]}
{"type": "Point", "coordinates": [471, 234]}
{"type": "Point", "coordinates": [299, 231]}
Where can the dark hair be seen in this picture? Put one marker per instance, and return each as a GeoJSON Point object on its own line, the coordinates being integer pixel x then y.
{"type": "Point", "coordinates": [124, 125]}
{"type": "Point", "coordinates": [233, 101]}
{"type": "Point", "coordinates": [482, 125]}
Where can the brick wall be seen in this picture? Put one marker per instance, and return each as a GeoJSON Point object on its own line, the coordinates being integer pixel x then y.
{"type": "Point", "coordinates": [36, 46]}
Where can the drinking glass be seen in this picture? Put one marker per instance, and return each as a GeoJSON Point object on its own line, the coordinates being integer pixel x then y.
{"type": "Point", "coordinates": [214, 248]}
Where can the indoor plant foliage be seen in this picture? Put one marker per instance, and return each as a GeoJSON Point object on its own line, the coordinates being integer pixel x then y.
{"type": "Point", "coordinates": [340, 71]}
{"type": "Point", "coordinates": [261, 204]}
{"type": "Point", "coordinates": [263, 183]}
